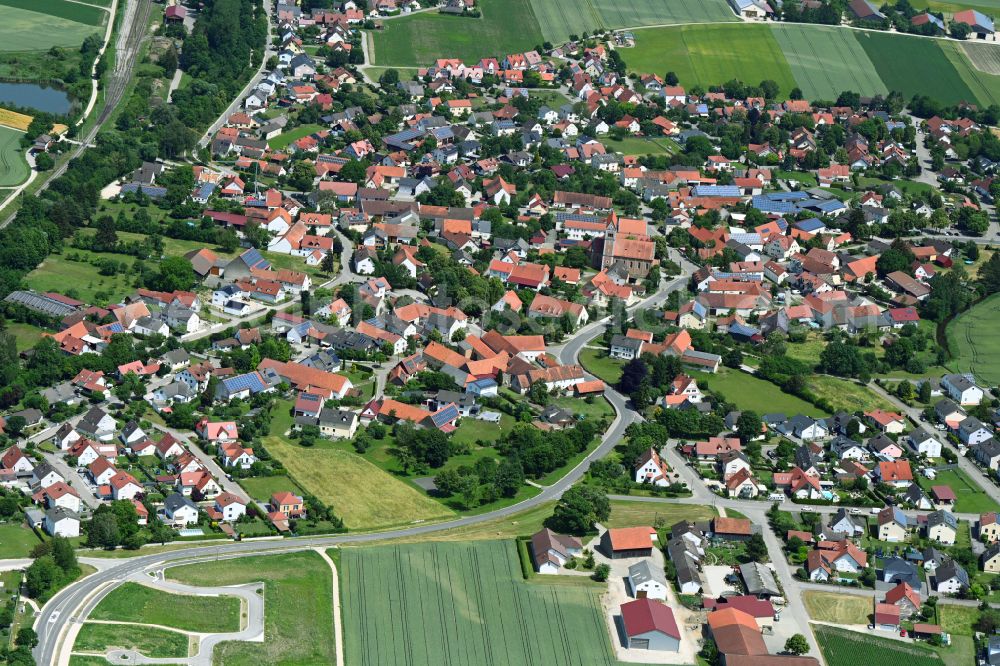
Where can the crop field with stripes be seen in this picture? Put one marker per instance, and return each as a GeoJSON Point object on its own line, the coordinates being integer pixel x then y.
{"type": "Point", "coordinates": [973, 342]}
{"type": "Point", "coordinates": [827, 61]}
{"type": "Point", "coordinates": [559, 19]}
{"type": "Point", "coordinates": [464, 603]}
{"type": "Point", "coordinates": [13, 168]}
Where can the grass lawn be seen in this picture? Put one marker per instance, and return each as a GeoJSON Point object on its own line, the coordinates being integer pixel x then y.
{"type": "Point", "coordinates": [132, 602]}
{"type": "Point", "coordinates": [281, 141]}
{"type": "Point", "coordinates": [804, 179]}
{"type": "Point", "coordinates": [635, 145]}
{"type": "Point", "coordinates": [847, 395]}
{"type": "Point", "coordinates": [956, 619]}
{"type": "Point", "coordinates": [524, 523]}
{"type": "Point", "coordinates": [597, 409]}
{"type": "Point", "coordinates": [13, 169]}
{"type": "Point", "coordinates": [842, 647]}
{"type": "Point", "coordinates": [470, 431]}
{"type": "Point", "coordinates": [150, 641]}
{"type": "Point", "coordinates": [827, 61]}
{"type": "Point", "coordinates": [361, 493]}
{"type": "Point", "coordinates": [438, 607]}
{"type": "Point", "coordinates": [973, 343]}
{"type": "Point", "coordinates": [85, 660]}
{"type": "Point", "coordinates": [506, 26]}
{"type": "Point", "coordinates": [632, 514]}
{"type": "Point", "coordinates": [837, 608]}
{"type": "Point", "coordinates": [759, 395]}
{"type": "Point", "coordinates": [709, 55]}
{"type": "Point", "coordinates": [81, 279]}
{"type": "Point", "coordinates": [25, 334]}
{"type": "Point", "coordinates": [298, 615]}
{"type": "Point", "coordinates": [16, 541]}
{"type": "Point", "coordinates": [262, 487]}
{"type": "Point", "coordinates": [598, 363]}
{"type": "Point", "coordinates": [971, 497]}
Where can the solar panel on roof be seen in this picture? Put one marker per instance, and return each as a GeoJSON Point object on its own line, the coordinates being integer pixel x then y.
{"type": "Point", "coordinates": [446, 415]}
{"type": "Point", "coordinates": [253, 259]}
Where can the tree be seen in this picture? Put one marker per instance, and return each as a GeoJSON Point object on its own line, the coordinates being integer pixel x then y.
{"type": "Point", "coordinates": [106, 237]}
{"type": "Point", "coordinates": [756, 548]}
{"type": "Point", "coordinates": [41, 576]}
{"type": "Point", "coordinates": [63, 553]}
{"type": "Point", "coordinates": [15, 426]}
{"type": "Point", "coordinates": [748, 426]}
{"type": "Point", "coordinates": [797, 645]}
{"type": "Point", "coordinates": [329, 263]}
{"type": "Point", "coordinates": [924, 392]}
{"type": "Point", "coordinates": [601, 572]}
{"type": "Point", "coordinates": [579, 508]}
{"type": "Point", "coordinates": [27, 637]}
{"type": "Point", "coordinates": [989, 274]}
{"type": "Point", "coordinates": [389, 78]}
{"type": "Point", "coordinates": [176, 274]}
{"type": "Point", "coordinates": [103, 532]}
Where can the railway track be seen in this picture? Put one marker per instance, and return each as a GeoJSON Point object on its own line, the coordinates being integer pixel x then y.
{"type": "Point", "coordinates": [133, 30]}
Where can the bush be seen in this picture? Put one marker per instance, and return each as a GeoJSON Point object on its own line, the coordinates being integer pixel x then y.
{"type": "Point", "coordinates": [601, 573]}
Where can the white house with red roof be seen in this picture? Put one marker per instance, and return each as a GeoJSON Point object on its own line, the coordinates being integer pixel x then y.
{"type": "Point", "coordinates": [124, 486]}
{"type": "Point", "coordinates": [227, 508]}
{"type": "Point", "coordinates": [169, 447]}
{"type": "Point", "coordinates": [235, 455]}
{"type": "Point", "coordinates": [217, 432]}
{"type": "Point", "coordinates": [650, 468]}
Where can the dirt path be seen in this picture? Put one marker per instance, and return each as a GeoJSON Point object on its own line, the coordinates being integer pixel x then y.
{"type": "Point", "coordinates": [338, 629]}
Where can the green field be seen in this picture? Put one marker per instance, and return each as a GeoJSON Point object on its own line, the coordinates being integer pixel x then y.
{"type": "Point", "coordinates": [826, 61]}
{"type": "Point", "coordinates": [506, 26]}
{"type": "Point", "coordinates": [16, 541]}
{"type": "Point", "coordinates": [298, 613]}
{"type": "Point", "coordinates": [559, 19]}
{"type": "Point", "coordinates": [971, 496]}
{"type": "Point", "coordinates": [913, 65]}
{"type": "Point", "coordinates": [711, 54]}
{"type": "Point", "coordinates": [80, 279]}
{"type": "Point", "coordinates": [849, 648]}
{"type": "Point", "coordinates": [985, 86]}
{"type": "Point", "coordinates": [464, 603]}
{"type": "Point", "coordinates": [759, 395]}
{"type": "Point", "coordinates": [361, 493]}
{"type": "Point", "coordinates": [24, 30]}
{"type": "Point", "coordinates": [150, 641]}
{"type": "Point", "coordinates": [973, 342]}
{"type": "Point", "coordinates": [70, 11]}
{"type": "Point", "coordinates": [14, 169]}
{"type": "Point", "coordinates": [132, 602]}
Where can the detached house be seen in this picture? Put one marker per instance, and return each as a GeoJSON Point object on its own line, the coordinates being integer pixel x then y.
{"type": "Point", "coordinates": [550, 551]}
{"type": "Point", "coordinates": [650, 468]}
